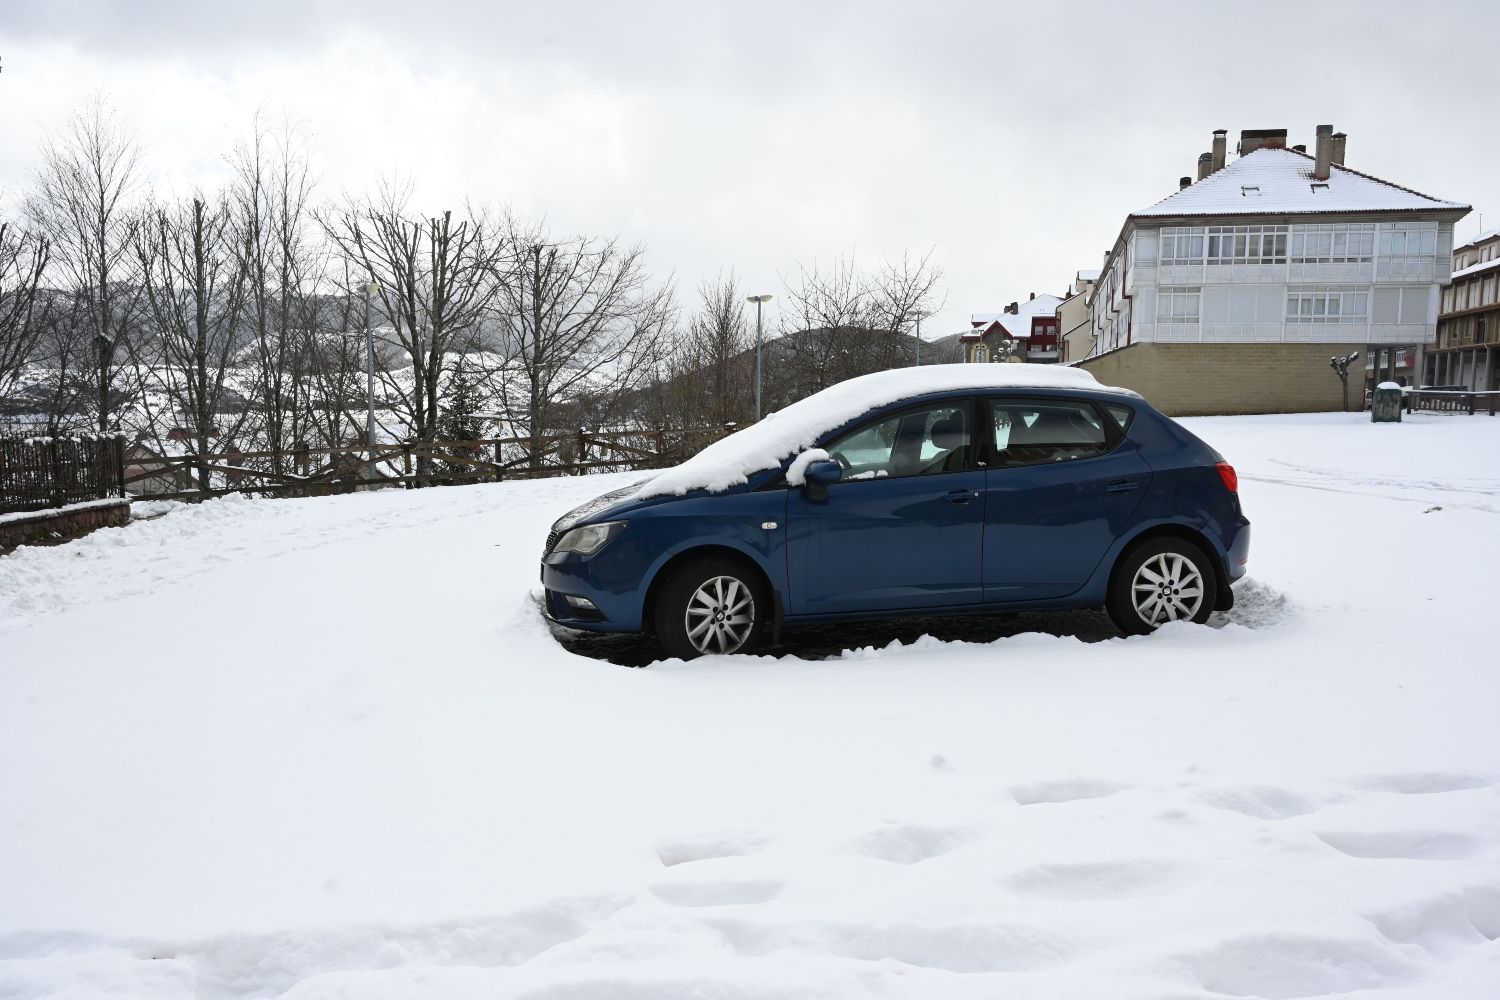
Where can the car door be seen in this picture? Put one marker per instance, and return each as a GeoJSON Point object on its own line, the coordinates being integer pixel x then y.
{"type": "Point", "coordinates": [1061, 483]}
{"type": "Point", "coordinates": [904, 526]}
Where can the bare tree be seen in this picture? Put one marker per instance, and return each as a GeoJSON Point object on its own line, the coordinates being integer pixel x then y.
{"type": "Point", "coordinates": [282, 271]}
{"type": "Point", "coordinates": [901, 293]}
{"type": "Point", "coordinates": [23, 259]}
{"type": "Point", "coordinates": [81, 205]}
{"type": "Point", "coordinates": [719, 345]}
{"type": "Point", "coordinates": [842, 322]}
{"type": "Point", "coordinates": [435, 278]}
{"type": "Point", "coordinates": [824, 331]}
{"type": "Point", "coordinates": [579, 319]}
{"type": "Point", "coordinates": [195, 293]}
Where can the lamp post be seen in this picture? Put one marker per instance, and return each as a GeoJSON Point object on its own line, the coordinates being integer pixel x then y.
{"type": "Point", "coordinates": [759, 300]}
{"type": "Point", "coordinates": [921, 315]}
{"type": "Point", "coordinates": [369, 288]}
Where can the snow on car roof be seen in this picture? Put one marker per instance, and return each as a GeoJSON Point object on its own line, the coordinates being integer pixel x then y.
{"type": "Point", "coordinates": [732, 460]}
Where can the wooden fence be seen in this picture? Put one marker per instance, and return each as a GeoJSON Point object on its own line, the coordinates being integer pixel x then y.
{"type": "Point", "coordinates": [323, 471]}
{"type": "Point", "coordinates": [39, 473]}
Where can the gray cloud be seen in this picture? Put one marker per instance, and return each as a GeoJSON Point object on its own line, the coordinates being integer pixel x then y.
{"type": "Point", "coordinates": [1014, 138]}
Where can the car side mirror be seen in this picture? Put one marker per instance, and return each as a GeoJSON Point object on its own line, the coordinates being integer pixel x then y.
{"type": "Point", "coordinates": [818, 476]}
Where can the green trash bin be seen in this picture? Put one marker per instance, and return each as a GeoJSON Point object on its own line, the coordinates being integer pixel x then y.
{"type": "Point", "coordinates": [1385, 404]}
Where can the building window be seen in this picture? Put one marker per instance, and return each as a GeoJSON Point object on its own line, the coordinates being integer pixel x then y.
{"type": "Point", "coordinates": [1409, 239]}
{"type": "Point", "coordinates": [1177, 305]}
{"type": "Point", "coordinates": [1247, 244]}
{"type": "Point", "coordinates": [1327, 305]}
{"type": "Point", "coordinates": [1350, 243]}
{"type": "Point", "coordinates": [1182, 245]}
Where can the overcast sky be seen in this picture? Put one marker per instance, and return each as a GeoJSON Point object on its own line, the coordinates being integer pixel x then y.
{"type": "Point", "coordinates": [1010, 139]}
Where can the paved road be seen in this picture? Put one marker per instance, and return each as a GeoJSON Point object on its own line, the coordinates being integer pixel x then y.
{"type": "Point", "coordinates": [821, 641]}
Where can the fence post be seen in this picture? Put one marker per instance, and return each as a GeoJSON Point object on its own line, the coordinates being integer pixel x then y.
{"type": "Point", "coordinates": [59, 492]}
{"type": "Point", "coordinates": [583, 453]}
{"type": "Point", "coordinates": [120, 463]}
{"type": "Point", "coordinates": [498, 474]}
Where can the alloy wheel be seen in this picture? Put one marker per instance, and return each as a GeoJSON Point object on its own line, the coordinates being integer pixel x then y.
{"type": "Point", "coordinates": [1168, 587]}
{"type": "Point", "coordinates": [720, 615]}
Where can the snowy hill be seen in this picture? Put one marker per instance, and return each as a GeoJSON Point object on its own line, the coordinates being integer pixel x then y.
{"type": "Point", "coordinates": [326, 748]}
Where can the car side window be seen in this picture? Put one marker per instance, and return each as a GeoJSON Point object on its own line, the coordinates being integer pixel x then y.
{"type": "Point", "coordinates": [1041, 432]}
{"type": "Point", "coordinates": [915, 443]}
{"type": "Point", "coordinates": [1121, 415]}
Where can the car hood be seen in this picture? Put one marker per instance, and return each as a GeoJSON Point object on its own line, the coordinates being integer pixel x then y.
{"type": "Point", "coordinates": [603, 507]}
{"type": "Point", "coordinates": [620, 502]}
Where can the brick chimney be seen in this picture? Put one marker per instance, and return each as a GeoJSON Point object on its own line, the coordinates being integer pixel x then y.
{"type": "Point", "coordinates": [1252, 139]}
{"type": "Point", "coordinates": [1205, 165]}
{"type": "Point", "coordinates": [1183, 183]}
{"type": "Point", "coordinates": [1340, 140]}
{"type": "Point", "coordinates": [1221, 143]}
{"type": "Point", "coordinates": [1013, 308]}
{"type": "Point", "coordinates": [1324, 153]}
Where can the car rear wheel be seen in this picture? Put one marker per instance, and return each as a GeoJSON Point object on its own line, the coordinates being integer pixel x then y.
{"type": "Point", "coordinates": [712, 606]}
{"type": "Point", "coordinates": [1162, 581]}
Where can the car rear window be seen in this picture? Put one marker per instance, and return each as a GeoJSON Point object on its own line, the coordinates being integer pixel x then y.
{"type": "Point", "coordinates": [1121, 414]}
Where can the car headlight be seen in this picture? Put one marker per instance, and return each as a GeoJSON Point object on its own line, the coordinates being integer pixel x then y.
{"type": "Point", "coordinates": [590, 538]}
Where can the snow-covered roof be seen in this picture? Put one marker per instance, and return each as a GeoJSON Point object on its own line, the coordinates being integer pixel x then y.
{"type": "Point", "coordinates": [1018, 323]}
{"type": "Point", "coordinates": [1277, 181]}
{"type": "Point", "coordinates": [1488, 234]}
{"type": "Point", "coordinates": [1089, 274]}
{"type": "Point", "coordinates": [1484, 265]}
{"type": "Point", "coordinates": [732, 460]}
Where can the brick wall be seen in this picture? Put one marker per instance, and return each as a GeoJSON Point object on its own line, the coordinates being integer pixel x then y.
{"type": "Point", "coordinates": [1196, 379]}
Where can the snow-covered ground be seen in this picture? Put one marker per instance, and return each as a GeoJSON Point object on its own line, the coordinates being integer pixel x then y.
{"type": "Point", "coordinates": [326, 748]}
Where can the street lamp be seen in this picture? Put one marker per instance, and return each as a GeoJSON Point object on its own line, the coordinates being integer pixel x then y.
{"type": "Point", "coordinates": [759, 300]}
{"type": "Point", "coordinates": [369, 288]}
{"type": "Point", "coordinates": [921, 315]}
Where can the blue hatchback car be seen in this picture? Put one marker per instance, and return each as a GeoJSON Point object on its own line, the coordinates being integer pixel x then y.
{"type": "Point", "coordinates": [945, 489]}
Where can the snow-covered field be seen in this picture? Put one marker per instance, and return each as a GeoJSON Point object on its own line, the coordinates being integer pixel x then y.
{"type": "Point", "coordinates": [326, 748]}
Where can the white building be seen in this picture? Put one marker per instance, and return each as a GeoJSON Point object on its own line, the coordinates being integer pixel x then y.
{"type": "Point", "coordinates": [1231, 294]}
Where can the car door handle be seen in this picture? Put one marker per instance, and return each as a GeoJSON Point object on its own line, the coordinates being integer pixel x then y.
{"type": "Point", "coordinates": [1122, 486]}
{"type": "Point", "coordinates": [961, 496]}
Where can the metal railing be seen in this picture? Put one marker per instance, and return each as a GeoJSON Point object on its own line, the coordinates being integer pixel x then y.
{"type": "Point", "coordinates": [1452, 401]}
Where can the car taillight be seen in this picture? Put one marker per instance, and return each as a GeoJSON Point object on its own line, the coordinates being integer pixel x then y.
{"type": "Point", "coordinates": [1231, 479]}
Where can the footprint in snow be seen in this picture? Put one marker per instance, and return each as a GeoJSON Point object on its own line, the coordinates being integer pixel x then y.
{"type": "Point", "coordinates": [1422, 783]}
{"type": "Point", "coordinates": [1067, 790]}
{"type": "Point", "coordinates": [1260, 801]}
{"type": "Point", "coordinates": [1446, 925]}
{"type": "Point", "coordinates": [909, 843]}
{"type": "Point", "coordinates": [707, 847]}
{"type": "Point", "coordinates": [692, 894]}
{"type": "Point", "coordinates": [1411, 845]}
{"type": "Point", "coordinates": [1092, 881]}
{"type": "Point", "coordinates": [1284, 966]}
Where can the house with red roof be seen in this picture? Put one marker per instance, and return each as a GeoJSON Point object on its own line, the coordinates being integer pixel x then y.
{"type": "Point", "coordinates": [1023, 331]}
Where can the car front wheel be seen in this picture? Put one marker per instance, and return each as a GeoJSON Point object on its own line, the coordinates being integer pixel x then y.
{"type": "Point", "coordinates": [712, 606]}
{"type": "Point", "coordinates": [1162, 581]}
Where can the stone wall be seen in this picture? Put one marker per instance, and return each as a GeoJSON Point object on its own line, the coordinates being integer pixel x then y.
{"type": "Point", "coordinates": [1198, 379]}
{"type": "Point", "coordinates": [61, 524]}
